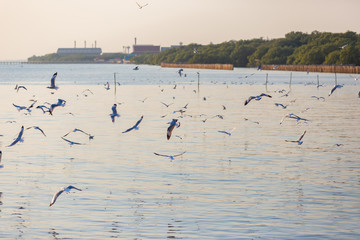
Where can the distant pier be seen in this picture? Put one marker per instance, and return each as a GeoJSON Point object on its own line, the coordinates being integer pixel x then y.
{"type": "Point", "coordinates": [314, 68]}
{"type": "Point", "coordinates": [13, 62]}
{"type": "Point", "coordinates": [199, 66]}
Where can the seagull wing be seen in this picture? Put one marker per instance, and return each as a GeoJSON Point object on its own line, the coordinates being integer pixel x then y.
{"type": "Point", "coordinates": [56, 195]}
{"type": "Point", "coordinates": [169, 131]}
{"type": "Point", "coordinates": [248, 100]}
{"type": "Point", "coordinates": [71, 187]}
{"type": "Point", "coordinates": [161, 155]}
{"type": "Point", "coordinates": [265, 95]}
{"type": "Point", "coordinates": [177, 155]}
{"type": "Point", "coordinates": [301, 137]}
{"type": "Point", "coordinates": [35, 127]}
{"type": "Point", "coordinates": [18, 138]}
{"type": "Point", "coordinates": [70, 142]}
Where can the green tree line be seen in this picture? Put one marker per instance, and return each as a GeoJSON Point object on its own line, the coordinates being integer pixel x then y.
{"type": "Point", "coordinates": [295, 48]}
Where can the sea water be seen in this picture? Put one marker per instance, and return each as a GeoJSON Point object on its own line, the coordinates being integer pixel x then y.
{"type": "Point", "coordinates": [251, 184]}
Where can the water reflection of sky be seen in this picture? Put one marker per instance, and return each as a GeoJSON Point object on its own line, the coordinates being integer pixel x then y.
{"type": "Point", "coordinates": [251, 184]}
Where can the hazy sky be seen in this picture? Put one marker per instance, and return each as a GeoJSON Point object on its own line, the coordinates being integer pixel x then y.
{"type": "Point", "coordinates": [38, 27]}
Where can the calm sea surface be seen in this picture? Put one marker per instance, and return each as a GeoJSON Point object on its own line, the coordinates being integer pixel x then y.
{"type": "Point", "coordinates": [251, 184]}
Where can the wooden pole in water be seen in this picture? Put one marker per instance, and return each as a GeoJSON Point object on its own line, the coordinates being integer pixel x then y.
{"type": "Point", "coordinates": [290, 79]}
{"type": "Point", "coordinates": [115, 83]}
{"type": "Point", "coordinates": [335, 79]}
{"type": "Point", "coordinates": [266, 82]}
{"type": "Point", "coordinates": [198, 74]}
{"type": "Point", "coordinates": [318, 83]}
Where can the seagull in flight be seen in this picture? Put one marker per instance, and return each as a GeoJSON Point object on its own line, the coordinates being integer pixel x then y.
{"type": "Point", "coordinates": [71, 142]}
{"type": "Point", "coordinates": [114, 113]}
{"type": "Point", "coordinates": [57, 194]}
{"type": "Point", "coordinates": [334, 88]}
{"type": "Point", "coordinates": [355, 78]}
{"type": "Point", "coordinates": [18, 87]}
{"type": "Point", "coordinates": [37, 128]}
{"type": "Point", "coordinates": [136, 126]}
{"type": "Point", "coordinates": [299, 142]}
{"type": "Point", "coordinates": [19, 137]}
{"type": "Point", "coordinates": [227, 133]}
{"type": "Point", "coordinates": [79, 130]}
{"type": "Point", "coordinates": [291, 115]}
{"type": "Point", "coordinates": [318, 98]}
{"type": "Point", "coordinates": [257, 98]}
{"type": "Point", "coordinates": [167, 105]}
{"type": "Point", "coordinates": [52, 81]}
{"type": "Point", "coordinates": [60, 103]}
{"type": "Point", "coordinates": [281, 105]}
{"type": "Point", "coordinates": [169, 156]}
{"type": "Point", "coordinates": [174, 123]}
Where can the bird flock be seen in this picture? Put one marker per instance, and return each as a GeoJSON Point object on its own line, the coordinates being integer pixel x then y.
{"type": "Point", "coordinates": [49, 108]}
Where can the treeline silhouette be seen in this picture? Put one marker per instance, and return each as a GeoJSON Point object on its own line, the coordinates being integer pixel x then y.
{"type": "Point", "coordinates": [295, 48]}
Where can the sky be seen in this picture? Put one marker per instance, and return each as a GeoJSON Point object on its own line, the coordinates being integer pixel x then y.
{"type": "Point", "coordinates": [39, 27]}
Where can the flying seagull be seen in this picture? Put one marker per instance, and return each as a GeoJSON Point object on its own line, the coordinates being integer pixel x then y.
{"type": "Point", "coordinates": [281, 105]}
{"type": "Point", "coordinates": [37, 128]}
{"type": "Point", "coordinates": [19, 108]}
{"type": "Point", "coordinates": [114, 113]}
{"type": "Point", "coordinates": [67, 190]}
{"type": "Point", "coordinates": [293, 116]}
{"type": "Point", "coordinates": [257, 98]}
{"type": "Point", "coordinates": [60, 103]}
{"type": "Point", "coordinates": [71, 142]}
{"type": "Point", "coordinates": [18, 87]}
{"type": "Point", "coordinates": [227, 133]}
{"type": "Point", "coordinates": [299, 142]}
{"type": "Point", "coordinates": [174, 123]}
{"type": "Point", "coordinates": [136, 126]}
{"type": "Point", "coordinates": [79, 130]}
{"type": "Point", "coordinates": [334, 88]}
{"type": "Point", "coordinates": [52, 81]}
{"type": "Point", "coordinates": [318, 98]}
{"type": "Point", "coordinates": [355, 78]}
{"type": "Point", "coordinates": [167, 105]}
{"type": "Point", "coordinates": [169, 156]}
{"type": "Point", "coordinates": [19, 137]}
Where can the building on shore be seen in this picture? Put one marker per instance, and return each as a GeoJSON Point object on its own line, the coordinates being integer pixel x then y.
{"type": "Point", "coordinates": [142, 49]}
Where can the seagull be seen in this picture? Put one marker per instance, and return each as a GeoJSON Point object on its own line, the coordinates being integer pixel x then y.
{"type": "Point", "coordinates": [180, 72]}
{"type": "Point", "coordinates": [19, 137]}
{"type": "Point", "coordinates": [71, 142]}
{"type": "Point", "coordinates": [114, 113]}
{"type": "Point", "coordinates": [60, 103]}
{"type": "Point", "coordinates": [170, 156]}
{"type": "Point", "coordinates": [281, 105]}
{"type": "Point", "coordinates": [88, 90]}
{"type": "Point", "coordinates": [344, 46]}
{"type": "Point", "coordinates": [334, 88]}
{"type": "Point", "coordinates": [143, 100]}
{"type": "Point", "coordinates": [136, 126]}
{"type": "Point", "coordinates": [37, 128]}
{"type": "Point", "coordinates": [318, 98]}
{"type": "Point", "coordinates": [79, 130]}
{"type": "Point", "coordinates": [18, 87]}
{"type": "Point", "coordinates": [52, 81]}
{"type": "Point", "coordinates": [136, 68]}
{"type": "Point", "coordinates": [167, 105]}
{"type": "Point", "coordinates": [299, 142]}
{"type": "Point", "coordinates": [141, 6]}
{"type": "Point", "coordinates": [174, 123]}
{"type": "Point", "coordinates": [42, 108]}
{"type": "Point", "coordinates": [107, 86]}
{"type": "Point", "coordinates": [257, 98]}
{"type": "Point", "coordinates": [291, 115]}
{"type": "Point", "coordinates": [355, 78]}
{"type": "Point", "coordinates": [228, 133]}
{"type": "Point", "coordinates": [67, 190]}
{"type": "Point", "coordinates": [19, 108]}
